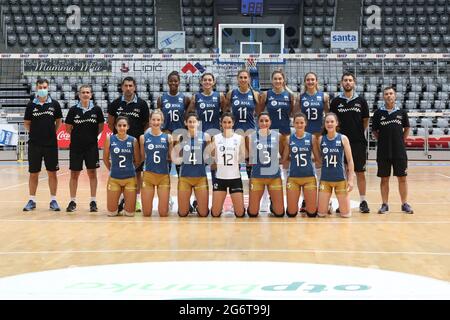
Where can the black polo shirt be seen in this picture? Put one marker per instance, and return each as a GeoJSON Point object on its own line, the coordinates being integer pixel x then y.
{"type": "Point", "coordinates": [137, 112]}
{"type": "Point", "coordinates": [390, 133]}
{"type": "Point", "coordinates": [43, 117]}
{"type": "Point", "coordinates": [351, 113]}
{"type": "Point", "coordinates": [85, 125]}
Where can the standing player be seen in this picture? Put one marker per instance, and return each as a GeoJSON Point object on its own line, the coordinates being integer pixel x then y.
{"type": "Point", "coordinates": [190, 153]}
{"type": "Point", "coordinates": [228, 148]}
{"type": "Point", "coordinates": [137, 112]}
{"type": "Point", "coordinates": [155, 149]}
{"type": "Point", "coordinates": [42, 119]}
{"type": "Point", "coordinates": [243, 102]}
{"type": "Point", "coordinates": [353, 114]}
{"type": "Point", "coordinates": [121, 156]}
{"type": "Point", "coordinates": [314, 104]}
{"type": "Point", "coordinates": [390, 126]}
{"type": "Point", "coordinates": [84, 122]}
{"type": "Point", "coordinates": [208, 104]}
{"type": "Point", "coordinates": [265, 147]}
{"type": "Point", "coordinates": [333, 147]}
{"type": "Point", "coordinates": [298, 156]}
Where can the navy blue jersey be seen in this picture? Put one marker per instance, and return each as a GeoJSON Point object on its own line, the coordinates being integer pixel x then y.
{"type": "Point", "coordinates": [264, 155]}
{"type": "Point", "coordinates": [122, 157]}
{"type": "Point", "coordinates": [156, 151]}
{"type": "Point", "coordinates": [193, 149]}
{"type": "Point", "coordinates": [332, 158]}
{"type": "Point", "coordinates": [300, 151]}
{"type": "Point", "coordinates": [312, 107]}
{"type": "Point", "coordinates": [243, 108]}
{"type": "Point", "coordinates": [208, 110]}
{"type": "Point", "coordinates": [173, 109]}
{"type": "Point", "coordinates": [279, 108]}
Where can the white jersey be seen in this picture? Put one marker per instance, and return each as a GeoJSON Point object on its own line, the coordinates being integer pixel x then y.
{"type": "Point", "coordinates": [227, 156]}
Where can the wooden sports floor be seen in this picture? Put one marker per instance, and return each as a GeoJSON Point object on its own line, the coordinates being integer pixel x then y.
{"type": "Point", "coordinates": [43, 240]}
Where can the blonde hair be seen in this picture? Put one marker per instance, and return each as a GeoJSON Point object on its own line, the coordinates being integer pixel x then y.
{"type": "Point", "coordinates": [157, 111]}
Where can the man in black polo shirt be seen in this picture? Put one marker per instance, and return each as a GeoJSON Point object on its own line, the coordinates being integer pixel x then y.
{"type": "Point", "coordinates": [137, 112]}
{"type": "Point", "coordinates": [42, 119]}
{"type": "Point", "coordinates": [353, 114]}
{"type": "Point", "coordinates": [84, 122]}
{"type": "Point", "coordinates": [390, 126]}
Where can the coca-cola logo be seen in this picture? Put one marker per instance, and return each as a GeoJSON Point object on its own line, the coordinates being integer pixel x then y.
{"type": "Point", "coordinates": [63, 135]}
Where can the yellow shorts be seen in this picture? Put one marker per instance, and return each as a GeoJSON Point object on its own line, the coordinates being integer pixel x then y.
{"type": "Point", "coordinates": [340, 187]}
{"type": "Point", "coordinates": [151, 180]}
{"type": "Point", "coordinates": [308, 183]}
{"type": "Point", "coordinates": [129, 184]}
{"type": "Point", "coordinates": [187, 183]}
{"type": "Point", "coordinates": [258, 184]}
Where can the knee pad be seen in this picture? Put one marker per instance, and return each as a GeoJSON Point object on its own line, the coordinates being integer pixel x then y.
{"type": "Point", "coordinates": [291, 215]}
{"type": "Point", "coordinates": [311, 215]}
{"type": "Point", "coordinates": [183, 215]}
{"type": "Point", "coordinates": [252, 215]}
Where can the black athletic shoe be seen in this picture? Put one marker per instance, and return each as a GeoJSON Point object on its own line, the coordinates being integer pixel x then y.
{"type": "Point", "coordinates": [93, 206]}
{"type": "Point", "coordinates": [364, 207]}
{"type": "Point", "coordinates": [384, 209]}
{"type": "Point", "coordinates": [303, 207]}
{"type": "Point", "coordinates": [194, 207]}
{"type": "Point", "coordinates": [71, 207]}
{"type": "Point", "coordinates": [121, 205]}
{"type": "Point", "coordinates": [406, 208]}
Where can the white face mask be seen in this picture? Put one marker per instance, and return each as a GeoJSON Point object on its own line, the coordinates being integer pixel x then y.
{"type": "Point", "coordinates": [42, 93]}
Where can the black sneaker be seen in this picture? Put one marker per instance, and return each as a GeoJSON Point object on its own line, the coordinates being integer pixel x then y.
{"type": "Point", "coordinates": [121, 205]}
{"type": "Point", "coordinates": [384, 209]}
{"type": "Point", "coordinates": [364, 207]}
{"type": "Point", "coordinates": [71, 207]}
{"type": "Point", "coordinates": [338, 210]}
{"type": "Point", "coordinates": [303, 207]}
{"type": "Point", "coordinates": [406, 208]}
{"type": "Point", "coordinates": [93, 206]}
{"type": "Point", "coordinates": [194, 207]}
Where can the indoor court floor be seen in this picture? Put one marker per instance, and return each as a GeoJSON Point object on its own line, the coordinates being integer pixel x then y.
{"type": "Point", "coordinates": [417, 244]}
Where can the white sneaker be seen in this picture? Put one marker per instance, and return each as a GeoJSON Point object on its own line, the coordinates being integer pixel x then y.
{"type": "Point", "coordinates": [171, 204]}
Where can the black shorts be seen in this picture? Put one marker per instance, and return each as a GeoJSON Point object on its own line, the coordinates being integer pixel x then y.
{"type": "Point", "coordinates": [37, 153]}
{"type": "Point", "coordinates": [359, 154]}
{"type": "Point", "coordinates": [235, 185]}
{"type": "Point", "coordinates": [400, 167]}
{"type": "Point", "coordinates": [89, 155]}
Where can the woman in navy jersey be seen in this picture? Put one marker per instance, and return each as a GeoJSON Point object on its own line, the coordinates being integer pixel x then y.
{"type": "Point", "coordinates": [189, 151]}
{"type": "Point", "coordinates": [121, 157]}
{"type": "Point", "coordinates": [244, 104]}
{"type": "Point", "coordinates": [208, 104]}
{"type": "Point", "coordinates": [228, 150]}
{"type": "Point", "coordinates": [333, 147]}
{"type": "Point", "coordinates": [314, 104]}
{"type": "Point", "coordinates": [264, 155]}
{"type": "Point", "coordinates": [298, 156]}
{"type": "Point", "coordinates": [156, 147]}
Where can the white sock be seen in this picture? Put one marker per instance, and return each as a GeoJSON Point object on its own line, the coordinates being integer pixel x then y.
{"type": "Point", "coordinates": [73, 199]}
{"type": "Point", "coordinates": [265, 197]}
{"type": "Point", "coordinates": [33, 198]}
{"type": "Point", "coordinates": [53, 198]}
{"type": "Point", "coordinates": [362, 198]}
{"type": "Point", "coordinates": [94, 199]}
{"type": "Point", "coordinates": [318, 174]}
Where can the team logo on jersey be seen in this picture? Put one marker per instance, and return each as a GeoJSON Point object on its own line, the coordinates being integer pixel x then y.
{"type": "Point", "coordinates": [77, 116]}
{"type": "Point", "coordinates": [294, 149]}
{"type": "Point", "coordinates": [180, 100]}
{"type": "Point", "coordinates": [306, 104]}
{"type": "Point", "coordinates": [186, 148]}
{"type": "Point", "coordinates": [163, 139]}
{"type": "Point", "coordinates": [236, 102]}
{"type": "Point", "coordinates": [167, 105]}
{"type": "Point", "coordinates": [137, 110]}
{"type": "Point", "coordinates": [151, 146]}
{"type": "Point", "coordinates": [202, 105]}
{"type": "Point", "coordinates": [116, 150]}
{"type": "Point", "coordinates": [214, 98]}
{"type": "Point", "coordinates": [338, 143]}
{"type": "Point", "coordinates": [307, 142]}
{"type": "Point", "coordinates": [216, 185]}
{"type": "Point", "coordinates": [399, 117]}
{"type": "Point", "coordinates": [94, 116]}
{"type": "Point", "coordinates": [259, 146]}
{"type": "Point", "coordinates": [286, 98]}
{"type": "Point", "coordinates": [325, 150]}
{"type": "Point", "coordinates": [383, 118]}
{"type": "Point", "coordinates": [128, 144]}
{"type": "Point", "coordinates": [235, 97]}
{"type": "Point", "coordinates": [222, 148]}
{"type": "Point", "coordinates": [319, 98]}
{"type": "Point", "coordinates": [120, 109]}
{"type": "Point", "coordinates": [250, 97]}
{"type": "Point", "coordinates": [274, 103]}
